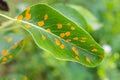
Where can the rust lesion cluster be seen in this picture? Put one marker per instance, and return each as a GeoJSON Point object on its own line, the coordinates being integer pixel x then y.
{"type": "Point", "coordinates": [5, 53]}
{"type": "Point", "coordinates": [57, 41]}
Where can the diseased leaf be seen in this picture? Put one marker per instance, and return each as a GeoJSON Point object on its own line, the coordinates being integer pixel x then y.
{"type": "Point", "coordinates": [55, 33]}
{"type": "Point", "coordinates": [10, 45]}
{"type": "Point", "coordinates": [72, 14]}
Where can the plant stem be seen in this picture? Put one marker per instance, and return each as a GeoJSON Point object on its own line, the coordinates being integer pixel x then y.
{"type": "Point", "coordinates": [5, 24]}
{"type": "Point", "coordinates": [7, 17]}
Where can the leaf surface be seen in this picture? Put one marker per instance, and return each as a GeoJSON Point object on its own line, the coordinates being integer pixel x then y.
{"type": "Point", "coordinates": [57, 34]}
{"type": "Point", "coordinates": [10, 45]}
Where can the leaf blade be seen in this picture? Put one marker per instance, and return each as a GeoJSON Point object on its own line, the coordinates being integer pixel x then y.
{"type": "Point", "coordinates": [11, 44]}
{"type": "Point", "coordinates": [51, 31]}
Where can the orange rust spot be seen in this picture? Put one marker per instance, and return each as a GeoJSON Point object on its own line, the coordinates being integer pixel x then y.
{"type": "Point", "coordinates": [27, 16]}
{"type": "Point", "coordinates": [68, 24]}
{"type": "Point", "coordinates": [59, 26]}
{"type": "Point", "coordinates": [72, 28]}
{"type": "Point", "coordinates": [76, 38]}
{"type": "Point", "coordinates": [68, 40]}
{"type": "Point", "coordinates": [87, 60]}
{"type": "Point", "coordinates": [62, 46]}
{"type": "Point", "coordinates": [75, 50]}
{"type": "Point", "coordinates": [83, 39]}
{"type": "Point", "coordinates": [45, 17]}
{"type": "Point", "coordinates": [57, 41]}
{"type": "Point", "coordinates": [27, 26]}
{"type": "Point", "coordinates": [20, 17]}
{"type": "Point", "coordinates": [48, 30]}
{"type": "Point", "coordinates": [67, 33]}
{"type": "Point", "coordinates": [43, 37]}
{"type": "Point", "coordinates": [62, 35]}
{"type": "Point", "coordinates": [15, 45]}
{"type": "Point", "coordinates": [9, 40]}
{"type": "Point", "coordinates": [5, 52]}
{"type": "Point", "coordinates": [4, 59]}
{"type": "Point", "coordinates": [10, 56]}
{"type": "Point", "coordinates": [94, 50]}
{"type": "Point", "coordinates": [101, 56]}
{"type": "Point", "coordinates": [77, 58]}
{"type": "Point", "coordinates": [41, 23]}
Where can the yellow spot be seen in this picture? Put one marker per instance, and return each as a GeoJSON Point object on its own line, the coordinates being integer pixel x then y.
{"type": "Point", "coordinates": [5, 52]}
{"type": "Point", "coordinates": [27, 26]}
{"type": "Point", "coordinates": [67, 33]}
{"type": "Point", "coordinates": [94, 50]}
{"type": "Point", "coordinates": [45, 17]}
{"type": "Point", "coordinates": [87, 60]}
{"type": "Point", "coordinates": [15, 45]}
{"type": "Point", "coordinates": [59, 26]}
{"type": "Point", "coordinates": [75, 50]}
{"type": "Point", "coordinates": [83, 39]}
{"type": "Point", "coordinates": [62, 35]}
{"type": "Point", "coordinates": [9, 40]}
{"type": "Point", "coordinates": [72, 28]}
{"type": "Point", "coordinates": [4, 59]}
{"type": "Point", "coordinates": [43, 37]}
{"type": "Point", "coordinates": [62, 46]}
{"type": "Point", "coordinates": [10, 56]}
{"type": "Point", "coordinates": [27, 16]}
{"type": "Point", "coordinates": [76, 38]}
{"type": "Point", "coordinates": [101, 56]}
{"type": "Point", "coordinates": [77, 58]}
{"type": "Point", "coordinates": [92, 45]}
{"type": "Point", "coordinates": [20, 17]}
{"type": "Point", "coordinates": [68, 24]}
{"type": "Point", "coordinates": [48, 30]}
{"type": "Point", "coordinates": [41, 23]}
{"type": "Point", "coordinates": [57, 41]}
{"type": "Point", "coordinates": [68, 40]}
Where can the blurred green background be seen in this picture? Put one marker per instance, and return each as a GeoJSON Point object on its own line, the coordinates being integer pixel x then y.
{"type": "Point", "coordinates": [36, 64]}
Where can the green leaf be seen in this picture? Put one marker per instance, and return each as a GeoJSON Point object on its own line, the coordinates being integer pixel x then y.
{"type": "Point", "coordinates": [72, 14]}
{"type": "Point", "coordinates": [10, 45]}
{"type": "Point", "coordinates": [55, 33]}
